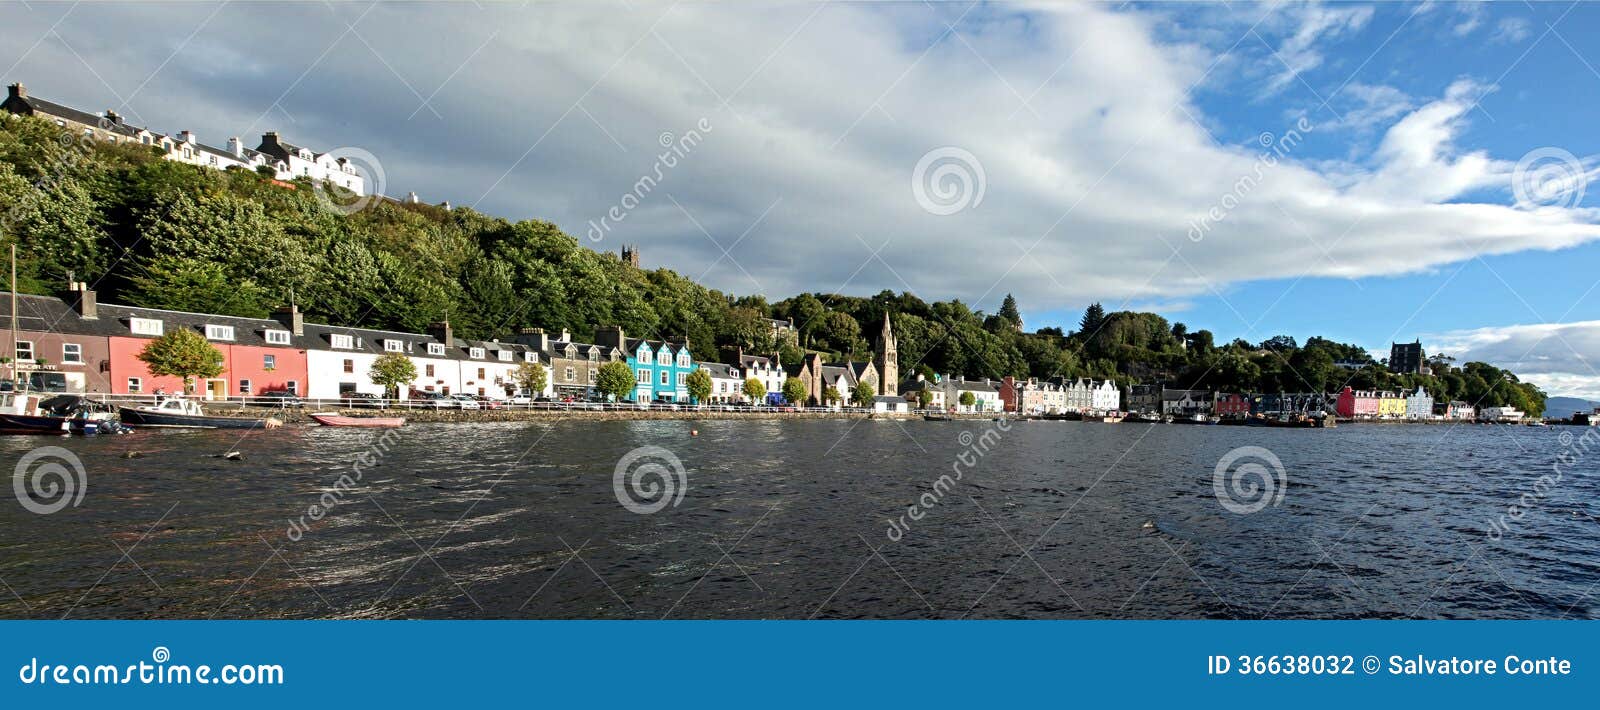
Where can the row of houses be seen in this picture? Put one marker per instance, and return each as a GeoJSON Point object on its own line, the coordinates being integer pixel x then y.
{"type": "Point", "coordinates": [1059, 396]}
{"type": "Point", "coordinates": [1348, 403]}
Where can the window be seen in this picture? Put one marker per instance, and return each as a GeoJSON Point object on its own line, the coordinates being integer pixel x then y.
{"type": "Point", "coordinates": [219, 332]}
{"type": "Point", "coordinates": [269, 362]}
{"type": "Point", "coordinates": [24, 350]}
{"type": "Point", "coordinates": [393, 346]}
{"type": "Point", "coordinates": [505, 355]}
{"type": "Point", "coordinates": [428, 371]}
{"type": "Point", "coordinates": [292, 386]}
{"type": "Point", "coordinates": [530, 357]}
{"type": "Point", "coordinates": [683, 361]}
{"type": "Point", "coordinates": [571, 374]}
{"type": "Point", "coordinates": [664, 374]}
{"type": "Point", "coordinates": [135, 385]}
{"type": "Point", "coordinates": [145, 326]}
{"type": "Point", "coordinates": [72, 353]}
{"type": "Point", "coordinates": [664, 358]}
{"type": "Point", "coordinates": [594, 356]}
{"type": "Point", "coordinates": [594, 376]}
{"type": "Point", "coordinates": [480, 373]}
{"type": "Point", "coordinates": [643, 377]}
{"type": "Point", "coordinates": [435, 348]}
{"type": "Point", "coordinates": [213, 161]}
{"type": "Point", "coordinates": [681, 375]}
{"type": "Point", "coordinates": [343, 342]}
{"type": "Point", "coordinates": [475, 353]}
{"type": "Point", "coordinates": [349, 365]}
{"type": "Point", "coordinates": [277, 337]}
{"type": "Point", "coordinates": [244, 387]}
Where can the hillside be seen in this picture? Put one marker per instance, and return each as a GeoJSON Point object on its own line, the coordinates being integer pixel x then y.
{"type": "Point", "coordinates": [150, 232]}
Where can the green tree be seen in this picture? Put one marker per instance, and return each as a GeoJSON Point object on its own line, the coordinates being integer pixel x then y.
{"type": "Point", "coordinates": [530, 377]}
{"type": "Point", "coordinates": [1009, 312]}
{"type": "Point", "coordinates": [615, 380]}
{"type": "Point", "coordinates": [967, 399]}
{"type": "Point", "coordinates": [830, 395]}
{"type": "Point", "coordinates": [861, 395]}
{"type": "Point", "coordinates": [390, 371]}
{"type": "Point", "coordinates": [182, 353]}
{"type": "Point", "coordinates": [794, 390]}
{"type": "Point", "coordinates": [1093, 317]}
{"type": "Point", "coordinates": [754, 390]}
{"type": "Point", "coordinates": [699, 383]}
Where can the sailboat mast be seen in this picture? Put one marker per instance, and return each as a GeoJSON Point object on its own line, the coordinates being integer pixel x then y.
{"type": "Point", "coordinates": [16, 366]}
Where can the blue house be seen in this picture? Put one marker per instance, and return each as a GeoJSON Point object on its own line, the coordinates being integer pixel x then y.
{"type": "Point", "coordinates": [660, 368]}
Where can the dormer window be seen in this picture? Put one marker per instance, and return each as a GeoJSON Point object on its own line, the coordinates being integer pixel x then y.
{"type": "Point", "coordinates": [277, 337]}
{"type": "Point", "coordinates": [683, 361]}
{"type": "Point", "coordinates": [219, 332]}
{"type": "Point", "coordinates": [594, 355]}
{"type": "Point", "coordinates": [506, 355]}
{"type": "Point", "coordinates": [343, 342]}
{"type": "Point", "coordinates": [475, 353]}
{"type": "Point", "coordinates": [145, 326]}
{"type": "Point", "coordinates": [436, 349]}
{"type": "Point", "coordinates": [391, 345]}
{"type": "Point", "coordinates": [664, 358]}
{"type": "Point", "coordinates": [530, 357]}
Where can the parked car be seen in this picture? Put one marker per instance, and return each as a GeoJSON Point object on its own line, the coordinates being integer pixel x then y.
{"type": "Point", "coordinates": [279, 398]}
{"type": "Point", "coordinates": [520, 400]}
{"type": "Point", "coordinates": [363, 400]}
{"type": "Point", "coordinates": [464, 401]}
{"type": "Point", "coordinates": [433, 400]}
{"type": "Point", "coordinates": [487, 402]}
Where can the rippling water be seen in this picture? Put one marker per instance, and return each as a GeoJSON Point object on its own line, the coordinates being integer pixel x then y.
{"type": "Point", "coordinates": [789, 519]}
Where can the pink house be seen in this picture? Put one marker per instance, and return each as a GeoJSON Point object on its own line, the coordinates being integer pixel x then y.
{"type": "Point", "coordinates": [1353, 404]}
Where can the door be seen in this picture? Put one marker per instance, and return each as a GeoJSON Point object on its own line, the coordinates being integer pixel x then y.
{"type": "Point", "coordinates": [216, 389]}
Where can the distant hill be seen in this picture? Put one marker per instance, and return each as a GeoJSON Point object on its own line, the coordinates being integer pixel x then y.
{"type": "Point", "coordinates": [1565, 406]}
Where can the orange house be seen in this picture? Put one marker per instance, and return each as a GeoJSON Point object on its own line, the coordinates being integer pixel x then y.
{"type": "Point", "coordinates": [258, 355]}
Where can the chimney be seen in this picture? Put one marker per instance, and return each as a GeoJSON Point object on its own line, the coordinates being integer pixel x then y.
{"type": "Point", "coordinates": [113, 117]}
{"type": "Point", "coordinates": [235, 147]}
{"type": "Point", "coordinates": [18, 91]}
{"type": "Point", "coordinates": [610, 336]}
{"type": "Point", "coordinates": [535, 338]}
{"type": "Point", "coordinates": [186, 137]}
{"type": "Point", "coordinates": [441, 331]}
{"type": "Point", "coordinates": [291, 318]}
{"type": "Point", "coordinates": [411, 198]}
{"type": "Point", "coordinates": [83, 300]}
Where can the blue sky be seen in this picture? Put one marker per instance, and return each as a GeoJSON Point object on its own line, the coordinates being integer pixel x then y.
{"type": "Point", "coordinates": [1431, 173]}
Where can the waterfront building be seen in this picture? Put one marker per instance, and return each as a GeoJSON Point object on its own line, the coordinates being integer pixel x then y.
{"type": "Point", "coordinates": [1353, 404]}
{"type": "Point", "coordinates": [768, 370]}
{"type": "Point", "coordinates": [574, 367]}
{"type": "Point", "coordinates": [62, 345]}
{"type": "Point", "coordinates": [886, 363]}
{"type": "Point", "coordinates": [1144, 398]}
{"type": "Point", "coordinates": [258, 355]}
{"type": "Point", "coordinates": [727, 386]}
{"type": "Point", "coordinates": [1080, 395]}
{"type": "Point", "coordinates": [842, 379]}
{"type": "Point", "coordinates": [1187, 402]}
{"type": "Point", "coordinates": [1503, 415]}
{"type": "Point", "coordinates": [1041, 397]}
{"type": "Point", "coordinates": [1228, 404]}
{"type": "Point", "coordinates": [1455, 410]}
{"type": "Point", "coordinates": [985, 394]}
{"type": "Point", "coordinates": [1391, 405]}
{"type": "Point", "coordinates": [1105, 397]}
{"type": "Point", "coordinates": [1408, 358]}
{"type": "Point", "coordinates": [661, 367]}
{"type": "Point", "coordinates": [887, 404]}
{"type": "Point", "coordinates": [911, 390]}
{"type": "Point", "coordinates": [1419, 405]}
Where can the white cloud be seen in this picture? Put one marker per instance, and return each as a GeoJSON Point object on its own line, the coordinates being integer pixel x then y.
{"type": "Point", "coordinates": [1299, 52]}
{"type": "Point", "coordinates": [1512, 30]}
{"type": "Point", "coordinates": [1090, 184]}
{"type": "Point", "coordinates": [1550, 355]}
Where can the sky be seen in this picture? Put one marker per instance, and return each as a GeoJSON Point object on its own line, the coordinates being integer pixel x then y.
{"type": "Point", "coordinates": [1364, 172]}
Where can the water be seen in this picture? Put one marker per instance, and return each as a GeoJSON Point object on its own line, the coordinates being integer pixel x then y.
{"type": "Point", "coordinates": [789, 519]}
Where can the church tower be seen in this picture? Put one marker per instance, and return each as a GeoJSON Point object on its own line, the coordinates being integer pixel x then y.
{"type": "Point", "coordinates": [887, 360]}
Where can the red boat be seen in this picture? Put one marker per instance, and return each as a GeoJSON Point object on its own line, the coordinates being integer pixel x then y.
{"type": "Point", "coordinates": [334, 419]}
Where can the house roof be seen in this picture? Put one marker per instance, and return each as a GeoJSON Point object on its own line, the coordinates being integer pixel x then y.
{"type": "Point", "coordinates": [718, 369]}
{"type": "Point", "coordinates": [52, 108]}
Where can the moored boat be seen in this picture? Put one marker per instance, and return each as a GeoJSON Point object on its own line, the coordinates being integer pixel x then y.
{"type": "Point", "coordinates": [336, 419]}
{"type": "Point", "coordinates": [20, 413]}
{"type": "Point", "coordinates": [180, 412]}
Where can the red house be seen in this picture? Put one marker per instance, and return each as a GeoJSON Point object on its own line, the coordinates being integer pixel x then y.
{"type": "Point", "coordinates": [258, 355]}
{"type": "Point", "coordinates": [1010, 395]}
{"type": "Point", "coordinates": [1232, 405]}
{"type": "Point", "coordinates": [1353, 404]}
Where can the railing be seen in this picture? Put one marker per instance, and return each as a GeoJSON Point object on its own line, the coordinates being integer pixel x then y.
{"type": "Point", "coordinates": [342, 403]}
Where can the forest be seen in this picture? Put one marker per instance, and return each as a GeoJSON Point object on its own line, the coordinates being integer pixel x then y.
{"type": "Point", "coordinates": [149, 232]}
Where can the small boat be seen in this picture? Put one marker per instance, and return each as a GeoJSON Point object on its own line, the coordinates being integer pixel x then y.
{"type": "Point", "coordinates": [83, 415]}
{"type": "Point", "coordinates": [180, 412]}
{"type": "Point", "coordinates": [20, 413]}
{"type": "Point", "coordinates": [936, 418]}
{"type": "Point", "coordinates": [336, 419]}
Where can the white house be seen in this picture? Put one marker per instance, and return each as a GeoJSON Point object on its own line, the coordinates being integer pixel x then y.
{"type": "Point", "coordinates": [1080, 395]}
{"type": "Point", "coordinates": [727, 386]}
{"type": "Point", "coordinates": [1106, 397]}
{"type": "Point", "coordinates": [1507, 415]}
{"type": "Point", "coordinates": [986, 397]}
{"type": "Point", "coordinates": [770, 373]}
{"type": "Point", "coordinates": [1419, 405]}
{"type": "Point", "coordinates": [290, 161]}
{"type": "Point", "coordinates": [890, 404]}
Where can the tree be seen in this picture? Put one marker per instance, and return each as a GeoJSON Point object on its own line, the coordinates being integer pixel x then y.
{"type": "Point", "coordinates": [967, 399]}
{"type": "Point", "coordinates": [390, 371]}
{"type": "Point", "coordinates": [1009, 312]}
{"type": "Point", "coordinates": [1093, 317]}
{"type": "Point", "coordinates": [182, 353]}
{"type": "Point", "coordinates": [861, 395]}
{"type": "Point", "coordinates": [699, 383]}
{"type": "Point", "coordinates": [754, 390]}
{"type": "Point", "coordinates": [615, 380]}
{"type": "Point", "coordinates": [924, 397]}
{"type": "Point", "coordinates": [530, 377]}
{"type": "Point", "coordinates": [794, 390]}
{"type": "Point", "coordinates": [830, 395]}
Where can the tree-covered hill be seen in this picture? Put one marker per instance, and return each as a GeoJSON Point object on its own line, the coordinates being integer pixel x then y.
{"type": "Point", "coordinates": [151, 232]}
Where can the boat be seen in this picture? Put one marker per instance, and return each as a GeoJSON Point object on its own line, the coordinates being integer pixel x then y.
{"type": "Point", "coordinates": [1194, 419]}
{"type": "Point", "coordinates": [925, 417]}
{"type": "Point", "coordinates": [83, 415]}
{"type": "Point", "coordinates": [337, 419]}
{"type": "Point", "coordinates": [172, 411]}
{"type": "Point", "coordinates": [20, 413]}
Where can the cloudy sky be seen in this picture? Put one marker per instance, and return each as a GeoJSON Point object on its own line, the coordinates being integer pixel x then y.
{"type": "Point", "coordinates": [1363, 172]}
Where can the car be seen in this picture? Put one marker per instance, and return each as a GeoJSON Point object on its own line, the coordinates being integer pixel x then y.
{"type": "Point", "coordinates": [279, 398]}
{"type": "Point", "coordinates": [463, 401]}
{"type": "Point", "coordinates": [428, 400]}
{"type": "Point", "coordinates": [488, 402]}
{"type": "Point", "coordinates": [521, 400]}
{"type": "Point", "coordinates": [363, 400]}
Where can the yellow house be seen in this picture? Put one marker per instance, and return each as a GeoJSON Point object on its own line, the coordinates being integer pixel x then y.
{"type": "Point", "coordinates": [1391, 405]}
